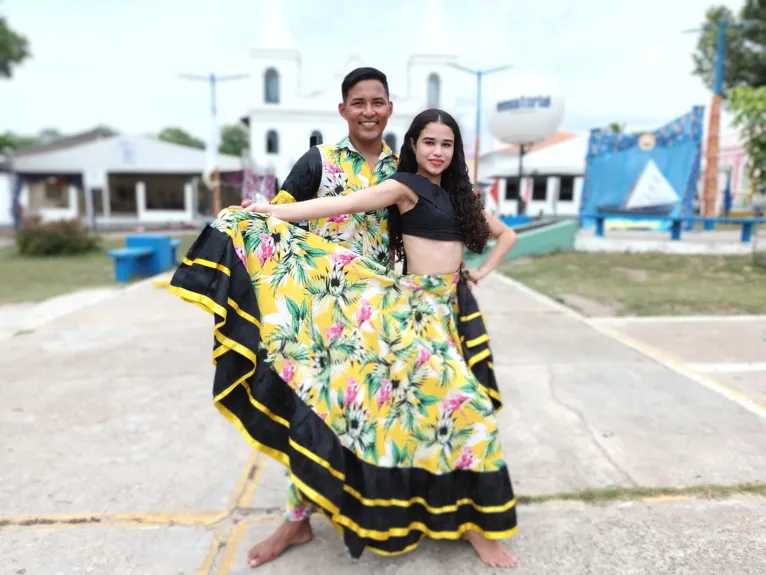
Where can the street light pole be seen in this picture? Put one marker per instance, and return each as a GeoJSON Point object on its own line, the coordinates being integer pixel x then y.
{"type": "Point", "coordinates": [477, 140]}
{"type": "Point", "coordinates": [212, 151]}
{"type": "Point", "coordinates": [710, 181]}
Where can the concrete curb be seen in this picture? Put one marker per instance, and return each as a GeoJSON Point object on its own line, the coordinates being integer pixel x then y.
{"type": "Point", "coordinates": [678, 318]}
{"type": "Point", "coordinates": [36, 324]}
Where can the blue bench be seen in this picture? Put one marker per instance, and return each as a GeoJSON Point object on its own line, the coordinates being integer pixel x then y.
{"type": "Point", "coordinates": [144, 255]}
{"type": "Point", "coordinates": [677, 222]}
{"type": "Point", "coordinates": [174, 250]}
{"type": "Point", "coordinates": [129, 262]}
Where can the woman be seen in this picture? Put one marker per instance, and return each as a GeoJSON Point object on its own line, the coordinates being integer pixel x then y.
{"type": "Point", "coordinates": [374, 389]}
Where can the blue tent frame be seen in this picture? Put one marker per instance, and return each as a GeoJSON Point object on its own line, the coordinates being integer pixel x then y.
{"type": "Point", "coordinates": [686, 128]}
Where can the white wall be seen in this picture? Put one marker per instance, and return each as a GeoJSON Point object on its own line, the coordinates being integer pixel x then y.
{"type": "Point", "coordinates": [294, 135]}
{"type": "Point", "coordinates": [161, 216]}
{"type": "Point", "coordinates": [549, 206]}
{"type": "Point", "coordinates": [68, 213]}
{"type": "Point", "coordinates": [299, 113]}
{"type": "Point", "coordinates": [47, 214]}
{"type": "Point", "coordinates": [142, 155]}
{"type": "Point", "coordinates": [5, 199]}
{"type": "Point", "coordinates": [142, 215]}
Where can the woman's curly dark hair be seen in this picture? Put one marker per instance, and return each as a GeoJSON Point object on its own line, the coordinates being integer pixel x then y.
{"type": "Point", "coordinates": [455, 181]}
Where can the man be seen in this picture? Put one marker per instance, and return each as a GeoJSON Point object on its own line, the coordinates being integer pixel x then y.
{"type": "Point", "coordinates": [358, 161]}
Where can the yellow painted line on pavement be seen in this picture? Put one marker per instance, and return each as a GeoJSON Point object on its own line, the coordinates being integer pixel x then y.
{"type": "Point", "coordinates": [246, 500]}
{"type": "Point", "coordinates": [207, 564]}
{"type": "Point", "coordinates": [229, 540]}
{"type": "Point", "coordinates": [683, 368]}
{"type": "Point", "coordinates": [236, 536]}
{"type": "Point", "coordinates": [243, 481]}
{"type": "Point", "coordinates": [660, 357]}
{"type": "Point", "coordinates": [669, 498]}
{"type": "Point", "coordinates": [239, 530]}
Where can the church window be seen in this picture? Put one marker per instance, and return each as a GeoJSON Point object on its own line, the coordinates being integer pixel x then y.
{"type": "Point", "coordinates": [272, 142]}
{"type": "Point", "coordinates": [271, 84]}
{"type": "Point", "coordinates": [434, 89]}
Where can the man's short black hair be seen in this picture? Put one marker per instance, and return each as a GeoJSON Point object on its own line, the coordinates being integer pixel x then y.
{"type": "Point", "coordinates": [359, 75]}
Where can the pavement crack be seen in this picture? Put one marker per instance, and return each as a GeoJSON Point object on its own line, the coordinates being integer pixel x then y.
{"type": "Point", "coordinates": [263, 513]}
{"type": "Point", "coordinates": [49, 521]}
{"type": "Point", "coordinates": [584, 422]}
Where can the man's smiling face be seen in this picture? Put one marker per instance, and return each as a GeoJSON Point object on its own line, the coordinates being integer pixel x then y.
{"type": "Point", "coordinates": [366, 110]}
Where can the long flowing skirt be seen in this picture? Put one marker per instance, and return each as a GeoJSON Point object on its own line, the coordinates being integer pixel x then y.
{"type": "Point", "coordinates": [374, 389]}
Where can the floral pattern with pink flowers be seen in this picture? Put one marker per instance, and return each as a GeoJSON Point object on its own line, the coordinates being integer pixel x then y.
{"type": "Point", "coordinates": [373, 354]}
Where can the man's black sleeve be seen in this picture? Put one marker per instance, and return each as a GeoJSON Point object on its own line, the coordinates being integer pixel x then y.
{"type": "Point", "coordinates": [303, 181]}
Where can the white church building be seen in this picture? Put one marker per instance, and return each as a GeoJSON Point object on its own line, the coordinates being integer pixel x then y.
{"type": "Point", "coordinates": [284, 117]}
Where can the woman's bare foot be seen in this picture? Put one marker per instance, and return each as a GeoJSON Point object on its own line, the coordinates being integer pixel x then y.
{"type": "Point", "coordinates": [289, 533]}
{"type": "Point", "coordinates": [490, 552]}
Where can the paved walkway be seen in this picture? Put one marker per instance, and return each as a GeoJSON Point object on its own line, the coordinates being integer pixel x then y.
{"type": "Point", "coordinates": [114, 461]}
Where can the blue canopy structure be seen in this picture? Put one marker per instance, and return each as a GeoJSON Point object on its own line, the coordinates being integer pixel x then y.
{"type": "Point", "coordinates": [647, 172]}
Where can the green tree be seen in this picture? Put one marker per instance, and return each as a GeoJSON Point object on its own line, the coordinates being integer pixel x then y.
{"type": "Point", "coordinates": [107, 130]}
{"type": "Point", "coordinates": [15, 141]}
{"type": "Point", "coordinates": [49, 135]}
{"type": "Point", "coordinates": [748, 106]}
{"type": "Point", "coordinates": [616, 128]}
{"type": "Point", "coordinates": [178, 136]}
{"type": "Point", "coordinates": [14, 49]}
{"type": "Point", "coordinates": [745, 59]}
{"type": "Point", "coordinates": [235, 139]}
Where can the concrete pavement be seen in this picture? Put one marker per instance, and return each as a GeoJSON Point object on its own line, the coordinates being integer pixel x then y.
{"type": "Point", "coordinates": [113, 459]}
{"type": "Point", "coordinates": [728, 349]}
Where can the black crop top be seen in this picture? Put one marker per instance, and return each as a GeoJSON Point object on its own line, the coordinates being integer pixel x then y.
{"type": "Point", "coordinates": [433, 217]}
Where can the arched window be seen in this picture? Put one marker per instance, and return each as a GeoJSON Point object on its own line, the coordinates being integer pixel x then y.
{"type": "Point", "coordinates": [272, 142]}
{"type": "Point", "coordinates": [391, 142]}
{"type": "Point", "coordinates": [317, 136]}
{"type": "Point", "coordinates": [434, 91]}
{"type": "Point", "coordinates": [271, 86]}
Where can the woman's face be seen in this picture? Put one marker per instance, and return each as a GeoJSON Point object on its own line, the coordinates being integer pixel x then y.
{"type": "Point", "coordinates": [434, 148]}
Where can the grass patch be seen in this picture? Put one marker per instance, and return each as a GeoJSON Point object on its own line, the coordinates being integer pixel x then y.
{"type": "Point", "coordinates": [30, 279]}
{"type": "Point", "coordinates": [646, 284]}
{"type": "Point", "coordinates": [608, 495]}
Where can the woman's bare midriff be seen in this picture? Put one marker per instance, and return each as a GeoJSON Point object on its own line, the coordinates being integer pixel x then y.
{"type": "Point", "coordinates": [427, 257]}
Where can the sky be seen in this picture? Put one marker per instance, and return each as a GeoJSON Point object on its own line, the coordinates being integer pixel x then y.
{"type": "Point", "coordinates": [116, 62]}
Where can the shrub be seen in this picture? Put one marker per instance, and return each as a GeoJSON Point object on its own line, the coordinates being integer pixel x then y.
{"type": "Point", "coordinates": [62, 237]}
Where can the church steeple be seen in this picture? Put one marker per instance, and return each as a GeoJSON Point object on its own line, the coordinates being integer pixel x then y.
{"type": "Point", "coordinates": [429, 74]}
{"type": "Point", "coordinates": [274, 28]}
{"type": "Point", "coordinates": [433, 35]}
{"type": "Point", "coordinates": [276, 59]}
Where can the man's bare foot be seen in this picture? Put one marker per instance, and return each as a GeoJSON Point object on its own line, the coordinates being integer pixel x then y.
{"type": "Point", "coordinates": [490, 552]}
{"type": "Point", "coordinates": [289, 533]}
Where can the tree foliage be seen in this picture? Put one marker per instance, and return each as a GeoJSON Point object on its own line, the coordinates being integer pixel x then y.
{"type": "Point", "coordinates": [235, 139]}
{"type": "Point", "coordinates": [616, 127]}
{"type": "Point", "coordinates": [179, 136]}
{"type": "Point", "coordinates": [748, 106]}
{"type": "Point", "coordinates": [745, 52]}
{"type": "Point", "coordinates": [14, 49]}
{"type": "Point", "coordinates": [13, 141]}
